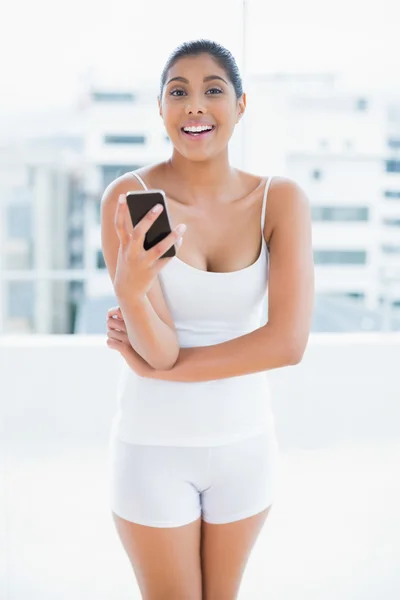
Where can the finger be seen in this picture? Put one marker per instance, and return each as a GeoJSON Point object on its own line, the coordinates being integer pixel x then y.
{"type": "Point", "coordinates": [115, 312]}
{"type": "Point", "coordinates": [119, 346]}
{"type": "Point", "coordinates": [117, 324]}
{"type": "Point", "coordinates": [120, 220]}
{"type": "Point", "coordinates": [114, 344]}
{"type": "Point", "coordinates": [159, 249]}
{"type": "Point", "coordinates": [113, 334]}
{"type": "Point", "coordinates": [139, 232]}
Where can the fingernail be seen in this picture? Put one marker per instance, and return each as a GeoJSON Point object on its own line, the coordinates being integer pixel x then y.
{"type": "Point", "coordinates": [156, 208]}
{"type": "Point", "coordinates": [181, 229]}
{"type": "Point", "coordinates": [121, 199]}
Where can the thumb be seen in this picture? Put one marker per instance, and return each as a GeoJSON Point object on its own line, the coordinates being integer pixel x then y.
{"type": "Point", "coordinates": [120, 220]}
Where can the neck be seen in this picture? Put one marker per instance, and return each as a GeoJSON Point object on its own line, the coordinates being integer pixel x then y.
{"type": "Point", "coordinates": [203, 179]}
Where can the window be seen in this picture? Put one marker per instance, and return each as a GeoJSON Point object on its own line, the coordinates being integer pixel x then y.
{"type": "Point", "coordinates": [113, 97]}
{"type": "Point", "coordinates": [391, 222]}
{"type": "Point", "coordinates": [390, 249]}
{"type": "Point", "coordinates": [392, 194]}
{"type": "Point", "coordinates": [356, 295]}
{"type": "Point", "coordinates": [340, 213]}
{"type": "Point", "coordinates": [19, 221]}
{"type": "Point", "coordinates": [362, 104]}
{"type": "Point", "coordinates": [393, 166]}
{"type": "Point", "coordinates": [100, 263]}
{"type": "Point", "coordinates": [124, 139]}
{"type": "Point", "coordinates": [394, 143]}
{"type": "Point", "coordinates": [111, 172]}
{"type": "Point", "coordinates": [21, 295]}
{"type": "Point", "coordinates": [340, 257]}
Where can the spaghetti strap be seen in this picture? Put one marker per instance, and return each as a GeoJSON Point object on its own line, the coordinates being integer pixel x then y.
{"type": "Point", "coordinates": [264, 202]}
{"type": "Point", "coordinates": [139, 179]}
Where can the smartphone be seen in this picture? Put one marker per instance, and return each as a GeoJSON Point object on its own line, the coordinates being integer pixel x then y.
{"type": "Point", "coordinates": [139, 204]}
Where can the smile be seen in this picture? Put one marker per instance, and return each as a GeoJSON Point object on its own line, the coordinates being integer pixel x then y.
{"type": "Point", "coordinates": [198, 132]}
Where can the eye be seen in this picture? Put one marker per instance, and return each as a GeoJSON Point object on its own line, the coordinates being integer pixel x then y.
{"type": "Point", "coordinates": [218, 90]}
{"type": "Point", "coordinates": [172, 92]}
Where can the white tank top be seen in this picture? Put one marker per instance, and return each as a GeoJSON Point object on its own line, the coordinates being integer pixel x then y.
{"type": "Point", "coordinates": [207, 308]}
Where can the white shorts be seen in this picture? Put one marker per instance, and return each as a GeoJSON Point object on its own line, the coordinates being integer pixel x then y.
{"type": "Point", "coordinates": [171, 486]}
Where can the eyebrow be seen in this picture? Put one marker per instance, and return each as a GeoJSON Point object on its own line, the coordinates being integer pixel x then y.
{"type": "Point", "coordinates": [208, 78]}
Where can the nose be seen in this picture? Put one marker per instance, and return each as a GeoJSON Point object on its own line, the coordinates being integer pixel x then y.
{"type": "Point", "coordinates": [195, 106]}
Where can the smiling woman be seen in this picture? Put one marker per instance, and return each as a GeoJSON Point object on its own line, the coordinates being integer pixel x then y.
{"type": "Point", "coordinates": [193, 445]}
{"type": "Point", "coordinates": [214, 92]}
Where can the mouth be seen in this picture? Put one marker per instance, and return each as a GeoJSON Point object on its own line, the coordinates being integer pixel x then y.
{"type": "Point", "coordinates": [197, 132]}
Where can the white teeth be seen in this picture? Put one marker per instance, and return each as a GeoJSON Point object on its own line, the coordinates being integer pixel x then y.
{"type": "Point", "coordinates": [198, 129]}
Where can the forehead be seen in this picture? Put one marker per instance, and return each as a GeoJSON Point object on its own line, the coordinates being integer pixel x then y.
{"type": "Point", "coordinates": [192, 67]}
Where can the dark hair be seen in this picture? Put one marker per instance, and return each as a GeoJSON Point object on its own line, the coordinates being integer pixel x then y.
{"type": "Point", "coordinates": [221, 55]}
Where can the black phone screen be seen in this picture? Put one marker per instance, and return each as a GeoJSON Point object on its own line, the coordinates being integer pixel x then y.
{"type": "Point", "coordinates": [139, 204]}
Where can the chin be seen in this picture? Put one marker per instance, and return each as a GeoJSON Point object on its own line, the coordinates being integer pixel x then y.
{"type": "Point", "coordinates": [198, 155]}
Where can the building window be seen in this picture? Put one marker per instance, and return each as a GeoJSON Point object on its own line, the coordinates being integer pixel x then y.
{"type": "Point", "coordinates": [124, 139]}
{"type": "Point", "coordinates": [316, 174]}
{"type": "Point", "coordinates": [390, 249]}
{"type": "Point", "coordinates": [391, 222]}
{"type": "Point", "coordinates": [113, 97]}
{"type": "Point", "coordinates": [392, 194]}
{"type": "Point", "coordinates": [394, 143]}
{"type": "Point", "coordinates": [111, 172]}
{"type": "Point", "coordinates": [100, 263]}
{"type": "Point", "coordinates": [340, 213]}
{"type": "Point", "coordinates": [356, 295]}
{"type": "Point", "coordinates": [21, 299]}
{"type": "Point", "coordinates": [19, 221]}
{"type": "Point", "coordinates": [362, 104]}
{"type": "Point", "coordinates": [393, 166]}
{"type": "Point", "coordinates": [340, 257]}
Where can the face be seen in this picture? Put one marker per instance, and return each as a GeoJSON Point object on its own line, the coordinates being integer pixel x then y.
{"type": "Point", "coordinates": [198, 93]}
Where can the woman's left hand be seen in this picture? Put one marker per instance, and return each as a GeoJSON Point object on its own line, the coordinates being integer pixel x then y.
{"type": "Point", "coordinates": [117, 339]}
{"type": "Point", "coordinates": [116, 331]}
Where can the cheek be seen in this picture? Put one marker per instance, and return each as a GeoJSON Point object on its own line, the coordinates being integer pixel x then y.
{"type": "Point", "coordinates": [171, 117]}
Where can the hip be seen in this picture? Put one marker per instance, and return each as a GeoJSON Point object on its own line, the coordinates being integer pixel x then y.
{"type": "Point", "coordinates": [197, 414]}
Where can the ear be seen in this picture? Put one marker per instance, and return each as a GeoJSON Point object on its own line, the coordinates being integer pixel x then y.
{"type": "Point", "coordinates": [159, 106]}
{"type": "Point", "coordinates": [241, 107]}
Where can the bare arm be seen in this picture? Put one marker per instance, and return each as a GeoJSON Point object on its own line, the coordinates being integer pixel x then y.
{"type": "Point", "coordinates": [283, 339]}
{"type": "Point", "coordinates": [150, 327]}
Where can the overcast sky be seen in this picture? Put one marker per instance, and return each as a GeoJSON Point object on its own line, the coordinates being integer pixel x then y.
{"type": "Point", "coordinates": [46, 46]}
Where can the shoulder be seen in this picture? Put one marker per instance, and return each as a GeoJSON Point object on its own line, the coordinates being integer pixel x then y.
{"type": "Point", "coordinates": [127, 182]}
{"type": "Point", "coordinates": [286, 201]}
{"type": "Point", "coordinates": [286, 196]}
{"type": "Point", "coordinates": [286, 189]}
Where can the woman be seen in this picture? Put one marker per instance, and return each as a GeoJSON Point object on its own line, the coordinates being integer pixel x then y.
{"type": "Point", "coordinates": [193, 448]}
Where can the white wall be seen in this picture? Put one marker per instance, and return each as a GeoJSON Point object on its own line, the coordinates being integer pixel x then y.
{"type": "Point", "coordinates": [333, 532]}
{"type": "Point", "coordinates": [346, 387]}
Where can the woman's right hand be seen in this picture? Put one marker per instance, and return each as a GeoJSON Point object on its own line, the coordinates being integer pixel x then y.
{"type": "Point", "coordinates": [137, 268]}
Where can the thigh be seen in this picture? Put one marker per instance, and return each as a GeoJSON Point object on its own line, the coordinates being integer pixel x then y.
{"type": "Point", "coordinates": [156, 511]}
{"type": "Point", "coordinates": [165, 561]}
{"type": "Point", "coordinates": [243, 479]}
{"type": "Point", "coordinates": [225, 550]}
{"type": "Point", "coordinates": [151, 485]}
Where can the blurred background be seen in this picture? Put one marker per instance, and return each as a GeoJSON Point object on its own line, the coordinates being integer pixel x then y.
{"type": "Point", "coordinates": [78, 107]}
